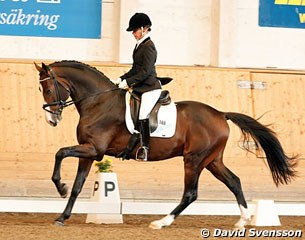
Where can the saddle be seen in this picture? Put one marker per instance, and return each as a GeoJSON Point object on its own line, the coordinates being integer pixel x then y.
{"type": "Point", "coordinates": [135, 102]}
{"type": "Point", "coordinates": [162, 119]}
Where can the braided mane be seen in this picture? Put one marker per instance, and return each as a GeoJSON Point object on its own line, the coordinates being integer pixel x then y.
{"type": "Point", "coordinates": [76, 64]}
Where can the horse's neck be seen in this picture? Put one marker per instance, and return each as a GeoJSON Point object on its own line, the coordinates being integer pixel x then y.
{"type": "Point", "coordinates": [87, 87]}
{"type": "Point", "coordinates": [110, 104]}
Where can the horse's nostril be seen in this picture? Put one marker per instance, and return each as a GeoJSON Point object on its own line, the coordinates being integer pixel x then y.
{"type": "Point", "coordinates": [54, 124]}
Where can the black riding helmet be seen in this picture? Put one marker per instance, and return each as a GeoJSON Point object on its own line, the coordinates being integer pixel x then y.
{"type": "Point", "coordinates": [139, 20]}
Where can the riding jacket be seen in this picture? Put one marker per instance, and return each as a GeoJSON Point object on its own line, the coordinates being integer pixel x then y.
{"type": "Point", "coordinates": [142, 76]}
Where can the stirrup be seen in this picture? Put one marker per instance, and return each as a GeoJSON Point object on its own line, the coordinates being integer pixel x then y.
{"type": "Point", "coordinates": [142, 153]}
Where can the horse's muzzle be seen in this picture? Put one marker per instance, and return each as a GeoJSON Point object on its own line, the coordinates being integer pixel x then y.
{"type": "Point", "coordinates": [52, 118]}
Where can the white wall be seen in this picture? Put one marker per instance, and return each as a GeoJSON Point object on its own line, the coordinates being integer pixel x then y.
{"type": "Point", "coordinates": [196, 32]}
{"type": "Point", "coordinates": [244, 44]}
{"type": "Point", "coordinates": [181, 30]}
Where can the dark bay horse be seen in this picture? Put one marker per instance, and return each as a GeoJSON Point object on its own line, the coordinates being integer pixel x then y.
{"type": "Point", "coordinates": [200, 137]}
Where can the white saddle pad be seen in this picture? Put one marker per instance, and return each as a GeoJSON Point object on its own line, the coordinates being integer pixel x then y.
{"type": "Point", "coordinates": [167, 118]}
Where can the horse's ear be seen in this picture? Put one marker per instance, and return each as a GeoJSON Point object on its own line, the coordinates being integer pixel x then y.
{"type": "Point", "coordinates": [44, 67]}
{"type": "Point", "coordinates": [39, 69]}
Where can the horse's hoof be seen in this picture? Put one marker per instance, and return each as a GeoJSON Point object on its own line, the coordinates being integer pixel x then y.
{"type": "Point", "coordinates": [155, 225]}
{"type": "Point", "coordinates": [164, 222]}
{"type": "Point", "coordinates": [64, 191]}
{"type": "Point", "coordinates": [59, 224]}
{"type": "Point", "coordinates": [241, 223]}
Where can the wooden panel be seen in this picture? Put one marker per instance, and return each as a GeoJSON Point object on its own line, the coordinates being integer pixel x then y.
{"type": "Point", "coordinates": [215, 87]}
{"type": "Point", "coordinates": [29, 174]}
{"type": "Point", "coordinates": [164, 180]}
{"type": "Point", "coordinates": [157, 180]}
{"type": "Point", "coordinates": [25, 129]}
{"type": "Point", "coordinates": [282, 103]}
{"type": "Point", "coordinates": [28, 144]}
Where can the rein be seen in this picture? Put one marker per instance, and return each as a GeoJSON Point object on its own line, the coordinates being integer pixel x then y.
{"type": "Point", "coordinates": [63, 103]}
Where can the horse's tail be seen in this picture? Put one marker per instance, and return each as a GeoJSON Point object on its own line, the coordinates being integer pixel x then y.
{"type": "Point", "coordinates": [281, 166]}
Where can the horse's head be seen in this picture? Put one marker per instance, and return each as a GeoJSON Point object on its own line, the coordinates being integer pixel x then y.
{"type": "Point", "coordinates": [55, 93]}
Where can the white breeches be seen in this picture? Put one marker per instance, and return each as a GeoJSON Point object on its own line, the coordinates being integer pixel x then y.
{"type": "Point", "coordinates": [148, 101]}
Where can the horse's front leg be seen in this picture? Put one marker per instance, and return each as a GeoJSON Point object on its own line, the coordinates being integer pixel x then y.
{"type": "Point", "coordinates": [84, 151]}
{"type": "Point", "coordinates": [84, 167]}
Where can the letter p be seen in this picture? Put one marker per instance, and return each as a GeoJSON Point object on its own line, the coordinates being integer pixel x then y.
{"type": "Point", "coordinates": [109, 187]}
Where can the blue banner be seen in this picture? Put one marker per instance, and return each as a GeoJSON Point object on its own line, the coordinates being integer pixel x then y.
{"type": "Point", "coordinates": [51, 18]}
{"type": "Point", "coordinates": [282, 13]}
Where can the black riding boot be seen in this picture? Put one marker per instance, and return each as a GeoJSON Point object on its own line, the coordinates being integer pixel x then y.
{"type": "Point", "coordinates": [142, 153]}
{"type": "Point", "coordinates": [132, 143]}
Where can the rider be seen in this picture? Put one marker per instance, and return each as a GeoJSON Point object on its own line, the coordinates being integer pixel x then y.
{"type": "Point", "coordinates": [142, 77]}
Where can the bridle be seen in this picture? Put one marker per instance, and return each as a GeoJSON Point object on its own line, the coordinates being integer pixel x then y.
{"type": "Point", "coordinates": [60, 102]}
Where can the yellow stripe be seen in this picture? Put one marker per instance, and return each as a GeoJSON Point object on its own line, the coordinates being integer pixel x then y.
{"type": "Point", "coordinates": [295, 2]}
{"type": "Point", "coordinates": [282, 2]}
{"type": "Point", "coordinates": [290, 2]}
{"type": "Point", "coordinates": [302, 17]}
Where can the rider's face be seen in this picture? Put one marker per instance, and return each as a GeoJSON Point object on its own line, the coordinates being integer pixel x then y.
{"type": "Point", "coordinates": [139, 33]}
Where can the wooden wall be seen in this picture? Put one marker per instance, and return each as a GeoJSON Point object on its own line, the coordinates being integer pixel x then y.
{"type": "Point", "coordinates": [28, 143]}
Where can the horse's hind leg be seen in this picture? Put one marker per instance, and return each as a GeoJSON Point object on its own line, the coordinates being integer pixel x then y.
{"type": "Point", "coordinates": [219, 170]}
{"type": "Point", "coordinates": [191, 177]}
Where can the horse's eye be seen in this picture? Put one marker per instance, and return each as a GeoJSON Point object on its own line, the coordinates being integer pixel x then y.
{"type": "Point", "coordinates": [49, 92]}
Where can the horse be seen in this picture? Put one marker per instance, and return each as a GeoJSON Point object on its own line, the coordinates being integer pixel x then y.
{"type": "Point", "coordinates": [200, 137]}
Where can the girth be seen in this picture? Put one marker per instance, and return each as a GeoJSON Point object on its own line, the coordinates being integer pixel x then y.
{"type": "Point", "coordinates": [135, 102]}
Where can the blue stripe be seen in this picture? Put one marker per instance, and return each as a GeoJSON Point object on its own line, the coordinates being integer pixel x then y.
{"type": "Point", "coordinates": [51, 18]}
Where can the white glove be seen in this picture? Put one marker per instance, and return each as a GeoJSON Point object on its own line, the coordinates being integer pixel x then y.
{"type": "Point", "coordinates": [116, 81]}
{"type": "Point", "coordinates": [123, 84]}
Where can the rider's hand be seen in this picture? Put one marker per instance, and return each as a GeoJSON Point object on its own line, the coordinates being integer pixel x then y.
{"type": "Point", "coordinates": [123, 84]}
{"type": "Point", "coordinates": [116, 81]}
